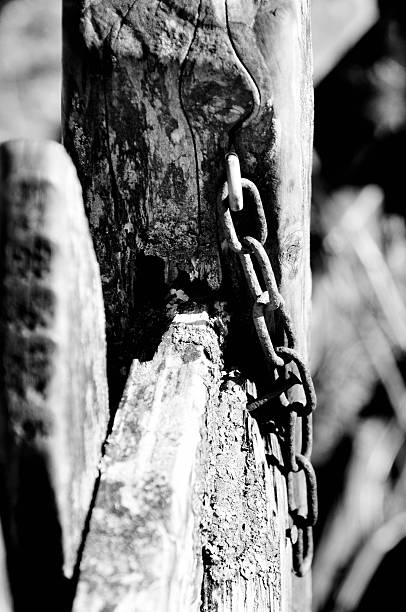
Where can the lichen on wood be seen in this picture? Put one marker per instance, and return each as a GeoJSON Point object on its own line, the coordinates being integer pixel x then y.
{"type": "Point", "coordinates": [242, 538]}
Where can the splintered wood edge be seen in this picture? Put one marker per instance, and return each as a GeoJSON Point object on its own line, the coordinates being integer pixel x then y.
{"type": "Point", "coordinates": [141, 548]}
{"type": "Point", "coordinates": [171, 442]}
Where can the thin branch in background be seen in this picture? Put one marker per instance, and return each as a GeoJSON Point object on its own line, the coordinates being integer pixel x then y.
{"type": "Point", "coordinates": [371, 555]}
{"type": "Point", "coordinates": [352, 230]}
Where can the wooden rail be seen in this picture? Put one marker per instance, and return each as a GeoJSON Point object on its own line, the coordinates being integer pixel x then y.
{"type": "Point", "coordinates": [53, 385]}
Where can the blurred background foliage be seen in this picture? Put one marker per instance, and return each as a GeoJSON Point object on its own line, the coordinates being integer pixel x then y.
{"type": "Point", "coordinates": [30, 68]}
{"type": "Point", "coordinates": [359, 272]}
{"type": "Point", "coordinates": [359, 314]}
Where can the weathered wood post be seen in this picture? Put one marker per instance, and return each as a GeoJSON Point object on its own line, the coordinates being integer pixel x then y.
{"type": "Point", "coordinates": [53, 385]}
{"type": "Point", "coordinates": [5, 595]}
{"type": "Point", "coordinates": [154, 94]}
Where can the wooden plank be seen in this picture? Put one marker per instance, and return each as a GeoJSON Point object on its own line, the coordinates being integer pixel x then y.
{"type": "Point", "coordinates": [186, 499]}
{"type": "Point", "coordinates": [53, 380]}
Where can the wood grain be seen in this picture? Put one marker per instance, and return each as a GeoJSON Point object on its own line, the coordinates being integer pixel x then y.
{"type": "Point", "coordinates": [186, 516]}
{"type": "Point", "coordinates": [151, 93]}
{"type": "Point", "coordinates": [154, 94]}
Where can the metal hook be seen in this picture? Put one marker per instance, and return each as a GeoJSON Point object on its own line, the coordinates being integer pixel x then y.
{"type": "Point", "coordinates": [235, 197]}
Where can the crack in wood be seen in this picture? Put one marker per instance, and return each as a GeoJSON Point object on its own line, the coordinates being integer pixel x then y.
{"type": "Point", "coordinates": [256, 92]}
{"type": "Point", "coordinates": [114, 185]}
{"type": "Point", "coordinates": [181, 75]}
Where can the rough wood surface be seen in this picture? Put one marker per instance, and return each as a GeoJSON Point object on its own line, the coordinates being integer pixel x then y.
{"type": "Point", "coordinates": [244, 521]}
{"type": "Point", "coordinates": [186, 516]}
{"type": "Point", "coordinates": [53, 377]}
{"type": "Point", "coordinates": [153, 94]}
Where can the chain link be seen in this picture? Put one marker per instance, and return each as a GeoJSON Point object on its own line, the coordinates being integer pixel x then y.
{"type": "Point", "coordinates": [267, 299]}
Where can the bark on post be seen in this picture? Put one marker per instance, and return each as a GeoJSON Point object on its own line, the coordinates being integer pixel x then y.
{"type": "Point", "coordinates": [152, 91]}
{"type": "Point", "coordinates": [53, 385]}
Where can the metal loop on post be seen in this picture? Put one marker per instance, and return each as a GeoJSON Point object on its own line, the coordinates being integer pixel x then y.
{"type": "Point", "coordinates": [307, 436]}
{"type": "Point", "coordinates": [302, 552]}
{"type": "Point", "coordinates": [310, 519]}
{"type": "Point", "coordinates": [287, 324]}
{"type": "Point", "coordinates": [235, 198]}
{"type": "Point", "coordinates": [265, 300]}
{"type": "Point", "coordinates": [291, 492]}
{"type": "Point", "coordinates": [227, 222]}
{"type": "Point", "coordinates": [258, 315]}
{"type": "Point", "coordinates": [255, 247]}
{"type": "Point", "coordinates": [288, 355]}
{"type": "Point", "coordinates": [291, 442]}
{"type": "Point", "coordinates": [262, 227]}
{"type": "Point", "coordinates": [250, 275]}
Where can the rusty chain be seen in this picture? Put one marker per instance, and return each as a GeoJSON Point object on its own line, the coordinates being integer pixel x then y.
{"type": "Point", "coordinates": [267, 298]}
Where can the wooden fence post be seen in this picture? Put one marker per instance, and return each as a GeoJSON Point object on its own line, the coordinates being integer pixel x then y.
{"type": "Point", "coordinates": [5, 594]}
{"type": "Point", "coordinates": [53, 385]}
{"type": "Point", "coordinates": [152, 91]}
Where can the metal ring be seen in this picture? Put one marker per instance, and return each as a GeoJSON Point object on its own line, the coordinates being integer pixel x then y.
{"type": "Point", "coordinates": [287, 324]}
{"type": "Point", "coordinates": [255, 247]}
{"type": "Point", "coordinates": [227, 222]}
{"type": "Point", "coordinates": [307, 436]}
{"type": "Point", "coordinates": [290, 439]}
{"type": "Point", "coordinates": [302, 552]}
{"type": "Point", "coordinates": [291, 442]}
{"type": "Point", "coordinates": [250, 275]}
{"type": "Point", "coordinates": [310, 519]}
{"type": "Point", "coordinates": [288, 355]}
{"type": "Point", "coordinates": [261, 219]}
{"type": "Point", "coordinates": [235, 197]}
{"type": "Point", "coordinates": [258, 316]}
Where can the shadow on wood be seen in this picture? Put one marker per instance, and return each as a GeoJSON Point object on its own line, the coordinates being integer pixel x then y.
{"type": "Point", "coordinates": [154, 95]}
{"type": "Point", "coordinates": [52, 382]}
